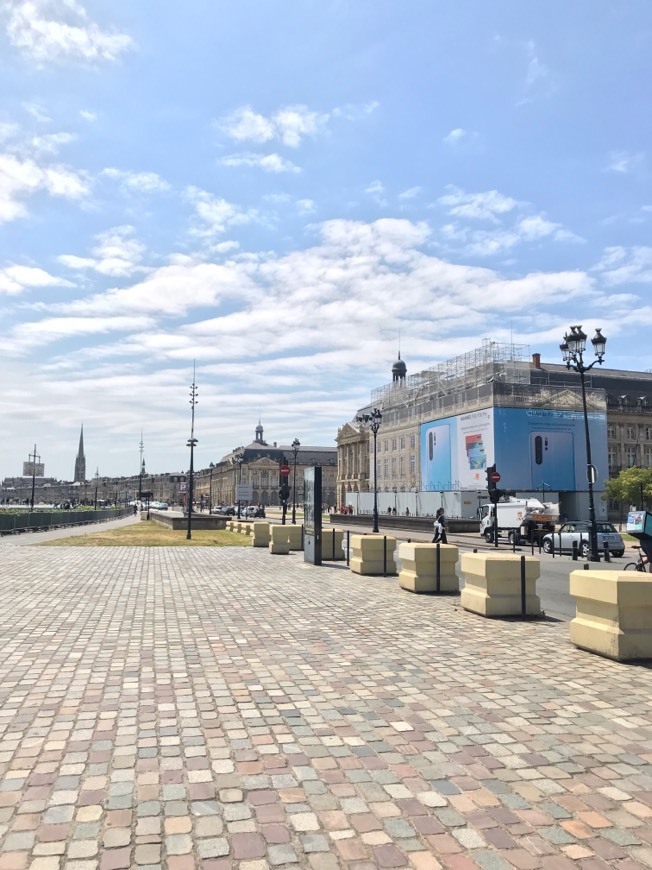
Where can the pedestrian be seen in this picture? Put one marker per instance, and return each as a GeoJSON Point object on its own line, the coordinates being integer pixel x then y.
{"type": "Point", "coordinates": [440, 528]}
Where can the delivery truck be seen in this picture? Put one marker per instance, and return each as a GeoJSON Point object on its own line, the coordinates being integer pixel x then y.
{"type": "Point", "coordinates": [521, 520]}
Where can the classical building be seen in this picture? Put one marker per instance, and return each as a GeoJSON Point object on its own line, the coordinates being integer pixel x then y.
{"type": "Point", "coordinates": [443, 426]}
{"type": "Point", "coordinates": [257, 464]}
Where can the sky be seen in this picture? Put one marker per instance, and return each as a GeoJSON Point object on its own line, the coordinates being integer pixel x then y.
{"type": "Point", "coordinates": [278, 193]}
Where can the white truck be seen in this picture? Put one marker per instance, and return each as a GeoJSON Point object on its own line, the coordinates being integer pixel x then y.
{"type": "Point", "coordinates": [521, 519]}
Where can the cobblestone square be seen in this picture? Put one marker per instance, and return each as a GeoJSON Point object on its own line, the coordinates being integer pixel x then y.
{"type": "Point", "coordinates": [214, 708]}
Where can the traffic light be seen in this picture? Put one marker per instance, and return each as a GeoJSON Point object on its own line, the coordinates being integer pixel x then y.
{"type": "Point", "coordinates": [284, 492]}
{"type": "Point", "coordinates": [491, 483]}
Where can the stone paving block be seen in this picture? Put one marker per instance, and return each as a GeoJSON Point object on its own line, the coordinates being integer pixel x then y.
{"type": "Point", "coordinates": [196, 710]}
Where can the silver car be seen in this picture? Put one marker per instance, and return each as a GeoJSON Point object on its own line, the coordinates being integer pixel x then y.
{"type": "Point", "coordinates": [562, 541]}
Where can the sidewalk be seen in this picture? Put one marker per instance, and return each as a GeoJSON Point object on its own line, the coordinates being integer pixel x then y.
{"type": "Point", "coordinates": [197, 708]}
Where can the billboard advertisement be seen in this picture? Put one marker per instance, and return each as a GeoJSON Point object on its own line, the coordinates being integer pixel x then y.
{"type": "Point", "coordinates": [33, 469]}
{"type": "Point", "coordinates": [534, 449]}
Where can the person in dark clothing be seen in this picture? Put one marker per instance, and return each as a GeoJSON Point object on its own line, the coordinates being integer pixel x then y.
{"type": "Point", "coordinates": [440, 528]}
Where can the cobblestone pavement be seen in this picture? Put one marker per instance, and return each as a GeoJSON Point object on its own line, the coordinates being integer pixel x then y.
{"type": "Point", "coordinates": [196, 708]}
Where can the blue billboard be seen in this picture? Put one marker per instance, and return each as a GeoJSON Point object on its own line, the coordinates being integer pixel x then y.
{"type": "Point", "coordinates": [534, 449]}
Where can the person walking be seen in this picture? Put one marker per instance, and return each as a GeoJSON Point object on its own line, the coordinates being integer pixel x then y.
{"type": "Point", "coordinates": [440, 528]}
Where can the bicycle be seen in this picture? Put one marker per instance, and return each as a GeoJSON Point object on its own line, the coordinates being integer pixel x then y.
{"type": "Point", "coordinates": [640, 564]}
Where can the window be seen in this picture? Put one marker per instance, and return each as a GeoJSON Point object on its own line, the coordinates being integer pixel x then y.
{"type": "Point", "coordinates": [648, 457]}
{"type": "Point", "coordinates": [393, 443]}
{"type": "Point", "coordinates": [386, 467]}
{"type": "Point", "coordinates": [413, 441]}
{"type": "Point", "coordinates": [401, 466]}
{"type": "Point", "coordinates": [393, 466]}
{"type": "Point", "coordinates": [413, 464]}
{"type": "Point", "coordinates": [648, 433]}
{"type": "Point", "coordinates": [402, 442]}
{"type": "Point", "coordinates": [385, 445]}
{"type": "Point", "coordinates": [611, 431]}
{"type": "Point", "coordinates": [630, 456]}
{"type": "Point", "coordinates": [631, 433]}
{"type": "Point", "coordinates": [612, 457]}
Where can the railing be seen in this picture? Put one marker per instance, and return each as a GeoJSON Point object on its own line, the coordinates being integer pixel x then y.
{"type": "Point", "coordinates": [38, 521]}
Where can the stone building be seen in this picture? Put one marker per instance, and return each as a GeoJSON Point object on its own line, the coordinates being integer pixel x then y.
{"type": "Point", "coordinates": [491, 377]}
{"type": "Point", "coordinates": [257, 464]}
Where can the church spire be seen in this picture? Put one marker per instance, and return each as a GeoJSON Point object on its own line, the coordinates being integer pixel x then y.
{"type": "Point", "coordinates": [80, 461]}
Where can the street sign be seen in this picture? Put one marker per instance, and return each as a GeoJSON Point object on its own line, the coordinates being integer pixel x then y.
{"type": "Point", "coordinates": [494, 476]}
{"type": "Point", "coordinates": [284, 470]}
{"type": "Point", "coordinates": [244, 492]}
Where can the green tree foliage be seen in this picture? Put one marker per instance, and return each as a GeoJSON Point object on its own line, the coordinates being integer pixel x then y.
{"type": "Point", "coordinates": [632, 486]}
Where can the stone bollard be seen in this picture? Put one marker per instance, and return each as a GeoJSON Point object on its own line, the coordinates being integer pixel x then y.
{"type": "Point", "coordinates": [492, 584]}
{"type": "Point", "coordinates": [261, 534]}
{"type": "Point", "coordinates": [246, 528]}
{"type": "Point", "coordinates": [372, 555]}
{"type": "Point", "coordinates": [295, 536]}
{"type": "Point", "coordinates": [332, 545]}
{"type": "Point", "coordinates": [419, 567]}
{"type": "Point", "coordinates": [613, 614]}
{"type": "Point", "coordinates": [278, 540]}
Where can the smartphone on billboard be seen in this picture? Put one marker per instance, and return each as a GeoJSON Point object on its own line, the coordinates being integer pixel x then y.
{"type": "Point", "coordinates": [475, 454]}
{"type": "Point", "coordinates": [552, 460]}
{"type": "Point", "coordinates": [438, 456]}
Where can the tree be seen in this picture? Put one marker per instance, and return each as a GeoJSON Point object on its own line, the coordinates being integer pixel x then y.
{"type": "Point", "coordinates": [632, 486]}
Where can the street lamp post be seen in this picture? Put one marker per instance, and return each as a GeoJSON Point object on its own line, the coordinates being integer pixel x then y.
{"type": "Point", "coordinates": [210, 490]}
{"type": "Point", "coordinates": [33, 456]}
{"type": "Point", "coordinates": [572, 349]}
{"type": "Point", "coordinates": [140, 473]}
{"type": "Point", "coordinates": [239, 459]}
{"type": "Point", "coordinates": [191, 443]}
{"type": "Point", "coordinates": [295, 449]}
{"type": "Point", "coordinates": [373, 421]}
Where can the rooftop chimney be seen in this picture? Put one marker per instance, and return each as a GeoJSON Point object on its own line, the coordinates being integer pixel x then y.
{"type": "Point", "coordinates": [536, 360]}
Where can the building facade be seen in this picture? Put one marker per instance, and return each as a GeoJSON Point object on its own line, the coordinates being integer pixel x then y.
{"type": "Point", "coordinates": [502, 384]}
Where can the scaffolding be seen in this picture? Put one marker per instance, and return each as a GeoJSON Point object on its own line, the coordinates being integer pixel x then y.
{"type": "Point", "coordinates": [493, 362]}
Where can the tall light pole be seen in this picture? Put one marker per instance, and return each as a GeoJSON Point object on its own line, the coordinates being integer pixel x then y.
{"type": "Point", "coordinates": [210, 490]}
{"type": "Point", "coordinates": [239, 459]}
{"type": "Point", "coordinates": [295, 449]}
{"type": "Point", "coordinates": [191, 443]}
{"type": "Point", "coordinates": [33, 456]}
{"type": "Point", "coordinates": [572, 350]}
{"type": "Point", "coordinates": [373, 421]}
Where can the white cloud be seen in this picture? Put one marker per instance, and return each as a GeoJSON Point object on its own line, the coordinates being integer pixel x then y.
{"type": "Point", "coordinates": [116, 253]}
{"type": "Point", "coordinates": [215, 214]}
{"type": "Point", "coordinates": [37, 333]}
{"type": "Point", "coordinates": [624, 162]}
{"type": "Point", "coordinates": [144, 182]}
{"type": "Point", "coordinates": [54, 30]}
{"type": "Point", "coordinates": [458, 136]}
{"type": "Point", "coordinates": [50, 143]}
{"type": "Point", "coordinates": [8, 130]}
{"type": "Point", "coordinates": [20, 179]}
{"type": "Point", "coordinates": [621, 265]}
{"type": "Point", "coordinates": [85, 115]}
{"type": "Point", "coordinates": [376, 191]}
{"type": "Point", "coordinates": [16, 278]}
{"type": "Point", "coordinates": [478, 206]}
{"type": "Point", "coordinates": [266, 162]}
{"type": "Point", "coordinates": [410, 193]}
{"type": "Point", "coordinates": [289, 125]}
{"type": "Point", "coordinates": [306, 206]}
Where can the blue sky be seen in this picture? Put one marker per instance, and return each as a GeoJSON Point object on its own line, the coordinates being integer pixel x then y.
{"type": "Point", "coordinates": [276, 190]}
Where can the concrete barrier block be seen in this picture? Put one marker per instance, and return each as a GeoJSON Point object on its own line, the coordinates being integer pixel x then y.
{"type": "Point", "coordinates": [295, 536]}
{"type": "Point", "coordinates": [246, 528]}
{"type": "Point", "coordinates": [613, 614]}
{"type": "Point", "coordinates": [332, 545]}
{"type": "Point", "coordinates": [370, 553]}
{"type": "Point", "coordinates": [261, 534]}
{"type": "Point", "coordinates": [279, 543]}
{"type": "Point", "coordinates": [419, 567]}
{"type": "Point", "coordinates": [492, 584]}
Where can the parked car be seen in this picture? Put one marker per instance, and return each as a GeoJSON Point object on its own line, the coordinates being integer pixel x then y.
{"type": "Point", "coordinates": [578, 531]}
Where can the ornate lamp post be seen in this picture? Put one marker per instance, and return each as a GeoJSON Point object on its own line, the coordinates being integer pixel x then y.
{"type": "Point", "coordinates": [210, 490]}
{"type": "Point", "coordinates": [295, 449]}
{"type": "Point", "coordinates": [239, 459]}
{"type": "Point", "coordinates": [572, 350]}
{"type": "Point", "coordinates": [141, 472]}
{"type": "Point", "coordinates": [373, 421]}
{"type": "Point", "coordinates": [191, 443]}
